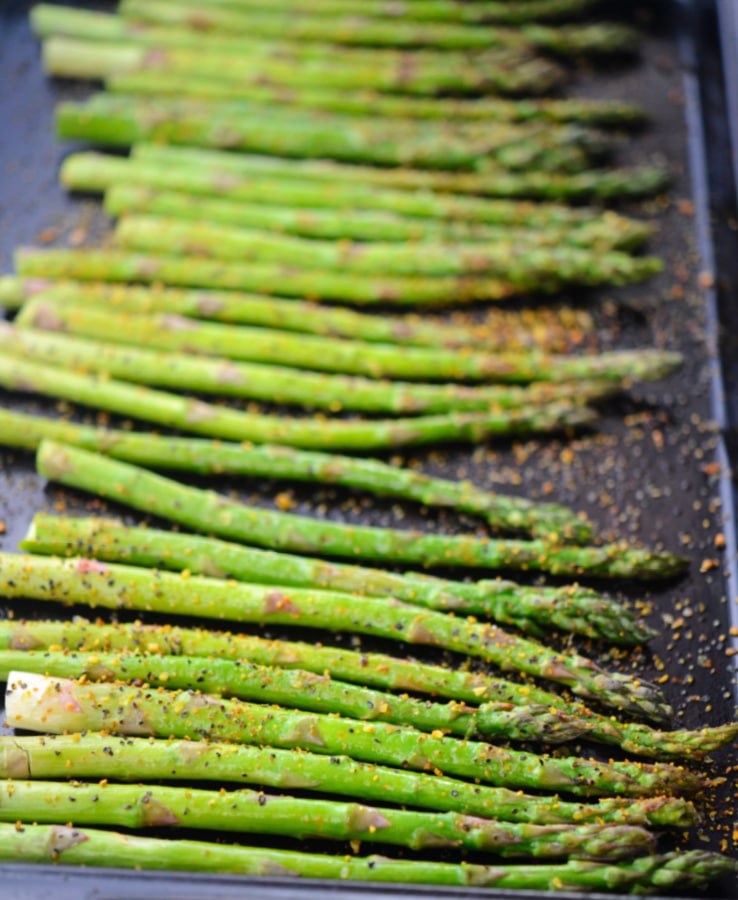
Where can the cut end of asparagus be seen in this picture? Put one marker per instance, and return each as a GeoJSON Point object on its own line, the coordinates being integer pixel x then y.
{"type": "Point", "coordinates": [39, 703]}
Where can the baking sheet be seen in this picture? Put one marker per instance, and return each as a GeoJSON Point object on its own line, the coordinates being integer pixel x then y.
{"type": "Point", "coordinates": [654, 472]}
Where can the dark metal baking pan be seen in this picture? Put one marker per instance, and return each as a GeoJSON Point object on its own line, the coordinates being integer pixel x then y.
{"type": "Point", "coordinates": [648, 475]}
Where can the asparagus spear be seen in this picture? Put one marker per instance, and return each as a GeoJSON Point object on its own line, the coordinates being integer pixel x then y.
{"type": "Point", "coordinates": [131, 759]}
{"type": "Point", "coordinates": [532, 609]}
{"type": "Point", "coordinates": [553, 329]}
{"type": "Point", "coordinates": [84, 45]}
{"type": "Point", "coordinates": [257, 381]}
{"type": "Point", "coordinates": [254, 812]}
{"type": "Point", "coordinates": [603, 234]}
{"type": "Point", "coordinates": [484, 11]}
{"type": "Point", "coordinates": [195, 416]}
{"type": "Point", "coordinates": [58, 705]}
{"type": "Point", "coordinates": [120, 587]}
{"type": "Point", "coordinates": [398, 291]}
{"type": "Point", "coordinates": [373, 669]}
{"type": "Point", "coordinates": [122, 121]}
{"type": "Point", "coordinates": [61, 844]}
{"type": "Point", "coordinates": [601, 39]}
{"type": "Point", "coordinates": [210, 513]}
{"type": "Point", "coordinates": [302, 183]}
{"type": "Point", "coordinates": [150, 80]}
{"type": "Point", "coordinates": [180, 335]}
{"type": "Point", "coordinates": [303, 690]}
{"type": "Point", "coordinates": [525, 264]}
{"type": "Point", "coordinates": [274, 461]}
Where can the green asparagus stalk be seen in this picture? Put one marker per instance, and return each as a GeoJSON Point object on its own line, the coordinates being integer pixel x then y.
{"type": "Point", "coordinates": [483, 12]}
{"type": "Point", "coordinates": [134, 759]}
{"type": "Point", "coordinates": [120, 121]}
{"type": "Point", "coordinates": [532, 609]}
{"type": "Point", "coordinates": [366, 225]}
{"type": "Point", "coordinates": [244, 811]}
{"type": "Point", "coordinates": [57, 705]}
{"type": "Point", "coordinates": [194, 165]}
{"type": "Point", "coordinates": [552, 329]}
{"type": "Point", "coordinates": [500, 511]}
{"type": "Point", "coordinates": [524, 264]}
{"type": "Point", "coordinates": [302, 183]}
{"type": "Point", "coordinates": [402, 291]}
{"type": "Point", "coordinates": [373, 669]}
{"type": "Point", "coordinates": [120, 587]}
{"type": "Point", "coordinates": [337, 287]}
{"type": "Point", "coordinates": [210, 513]}
{"type": "Point", "coordinates": [181, 335]}
{"type": "Point", "coordinates": [272, 383]}
{"type": "Point", "coordinates": [85, 46]}
{"type": "Point", "coordinates": [150, 80]}
{"type": "Point", "coordinates": [198, 417]}
{"type": "Point", "coordinates": [60, 844]}
{"type": "Point", "coordinates": [303, 690]}
{"type": "Point", "coordinates": [601, 39]}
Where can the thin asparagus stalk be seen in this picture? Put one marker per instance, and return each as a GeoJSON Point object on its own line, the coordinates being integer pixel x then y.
{"type": "Point", "coordinates": [60, 844]}
{"type": "Point", "coordinates": [134, 759]}
{"type": "Point", "coordinates": [84, 45]}
{"type": "Point", "coordinates": [150, 80]}
{"type": "Point", "coordinates": [395, 291]}
{"type": "Point", "coordinates": [122, 121]}
{"type": "Point", "coordinates": [198, 417]}
{"type": "Point", "coordinates": [500, 511]}
{"type": "Point", "coordinates": [57, 705]}
{"type": "Point", "coordinates": [602, 39]}
{"type": "Point", "coordinates": [366, 225]}
{"type": "Point", "coordinates": [303, 690]}
{"type": "Point", "coordinates": [525, 264]}
{"type": "Point", "coordinates": [554, 329]}
{"type": "Point", "coordinates": [279, 384]}
{"type": "Point", "coordinates": [120, 587]}
{"type": "Point", "coordinates": [372, 669]}
{"type": "Point", "coordinates": [485, 11]}
{"type": "Point", "coordinates": [180, 335]}
{"type": "Point", "coordinates": [532, 609]}
{"type": "Point", "coordinates": [302, 183]}
{"type": "Point", "coordinates": [152, 806]}
{"type": "Point", "coordinates": [210, 513]}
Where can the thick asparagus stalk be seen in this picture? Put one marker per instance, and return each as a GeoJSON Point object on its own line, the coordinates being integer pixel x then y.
{"type": "Point", "coordinates": [84, 46]}
{"type": "Point", "coordinates": [525, 264]}
{"type": "Point", "coordinates": [134, 759]}
{"type": "Point", "coordinates": [122, 121]}
{"type": "Point", "coordinates": [150, 80]}
{"type": "Point", "coordinates": [210, 513]}
{"type": "Point", "coordinates": [373, 669]}
{"type": "Point", "coordinates": [553, 329]}
{"type": "Point", "coordinates": [198, 417]}
{"type": "Point", "coordinates": [598, 39]}
{"type": "Point", "coordinates": [180, 335]}
{"type": "Point", "coordinates": [273, 461]}
{"type": "Point", "coordinates": [484, 11]}
{"type": "Point", "coordinates": [603, 234]}
{"type": "Point", "coordinates": [397, 291]}
{"type": "Point", "coordinates": [58, 705]}
{"type": "Point", "coordinates": [279, 384]}
{"type": "Point", "coordinates": [303, 690]}
{"type": "Point", "coordinates": [244, 811]}
{"type": "Point", "coordinates": [302, 183]}
{"type": "Point", "coordinates": [61, 844]}
{"type": "Point", "coordinates": [532, 609]}
{"type": "Point", "coordinates": [119, 587]}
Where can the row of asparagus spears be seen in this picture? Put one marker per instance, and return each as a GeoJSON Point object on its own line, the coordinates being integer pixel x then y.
{"type": "Point", "coordinates": [415, 203]}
